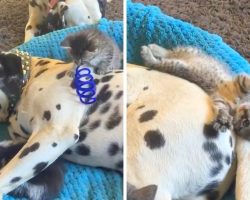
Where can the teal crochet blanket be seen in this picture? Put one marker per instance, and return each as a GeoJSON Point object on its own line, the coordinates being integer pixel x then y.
{"type": "Point", "coordinates": [81, 183]}
{"type": "Point", "coordinates": [147, 24]}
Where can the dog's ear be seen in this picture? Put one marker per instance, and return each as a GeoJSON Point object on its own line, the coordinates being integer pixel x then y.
{"type": "Point", "coordinates": [102, 6]}
{"type": "Point", "coordinates": [11, 64]}
{"type": "Point", "coordinates": [145, 193]}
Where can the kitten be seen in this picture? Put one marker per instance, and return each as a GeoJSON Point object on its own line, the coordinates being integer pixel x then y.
{"type": "Point", "coordinates": [45, 185]}
{"type": "Point", "coordinates": [93, 47]}
{"type": "Point", "coordinates": [205, 71]}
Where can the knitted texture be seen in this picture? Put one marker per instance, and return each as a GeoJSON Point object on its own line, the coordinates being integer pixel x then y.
{"type": "Point", "coordinates": [147, 24]}
{"type": "Point", "coordinates": [81, 183]}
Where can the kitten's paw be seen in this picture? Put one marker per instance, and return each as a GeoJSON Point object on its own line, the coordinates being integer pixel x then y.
{"type": "Point", "coordinates": [223, 121]}
{"type": "Point", "coordinates": [158, 51]}
{"type": "Point", "coordinates": [242, 118]}
{"type": "Point", "coordinates": [148, 57]}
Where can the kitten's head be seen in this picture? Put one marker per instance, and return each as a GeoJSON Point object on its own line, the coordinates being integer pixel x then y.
{"type": "Point", "coordinates": [85, 45]}
{"type": "Point", "coordinates": [241, 120]}
{"type": "Point", "coordinates": [10, 81]}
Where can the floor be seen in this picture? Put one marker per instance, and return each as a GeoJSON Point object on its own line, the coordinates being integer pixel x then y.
{"type": "Point", "coordinates": [228, 18]}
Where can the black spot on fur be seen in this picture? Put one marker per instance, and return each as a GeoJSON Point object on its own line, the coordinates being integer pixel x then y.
{"type": "Point", "coordinates": [16, 179]}
{"type": "Point", "coordinates": [154, 139]}
{"type": "Point", "coordinates": [41, 72]}
{"type": "Point", "coordinates": [42, 62]}
{"type": "Point", "coordinates": [72, 84]}
{"type": "Point", "coordinates": [216, 170]}
{"type": "Point", "coordinates": [210, 132]}
{"type": "Point", "coordinates": [140, 107]}
{"type": "Point", "coordinates": [119, 95]}
{"type": "Point", "coordinates": [92, 108]}
{"type": "Point", "coordinates": [24, 130]}
{"type": "Point", "coordinates": [83, 150]}
{"type": "Point", "coordinates": [54, 144]}
{"type": "Point", "coordinates": [47, 115]}
{"type": "Point", "coordinates": [104, 94]}
{"type": "Point", "coordinates": [40, 167]}
{"type": "Point", "coordinates": [113, 149]}
{"type": "Point", "coordinates": [58, 106]}
{"type": "Point", "coordinates": [76, 137]}
{"type": "Point", "coordinates": [119, 165]}
{"type": "Point", "coordinates": [31, 120]}
{"type": "Point", "coordinates": [40, 89]}
{"type": "Point", "coordinates": [83, 135]}
{"type": "Point", "coordinates": [148, 69]}
{"type": "Point", "coordinates": [34, 147]}
{"type": "Point", "coordinates": [68, 152]}
{"type": "Point", "coordinates": [105, 108]}
{"type": "Point", "coordinates": [231, 141]}
{"type": "Point", "coordinates": [145, 88]}
{"type": "Point", "coordinates": [28, 27]}
{"type": "Point", "coordinates": [114, 119]}
{"type": "Point", "coordinates": [61, 74]}
{"type": "Point", "coordinates": [209, 188]}
{"type": "Point", "coordinates": [27, 150]}
{"type": "Point", "coordinates": [117, 72]}
{"type": "Point", "coordinates": [106, 78]}
{"type": "Point", "coordinates": [84, 122]}
{"type": "Point", "coordinates": [228, 160]}
{"type": "Point", "coordinates": [212, 149]}
{"type": "Point", "coordinates": [95, 124]}
{"type": "Point", "coordinates": [148, 115]}
{"type": "Point", "coordinates": [96, 81]}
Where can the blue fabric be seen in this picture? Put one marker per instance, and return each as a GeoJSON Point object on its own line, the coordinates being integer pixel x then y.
{"type": "Point", "coordinates": [147, 24]}
{"type": "Point", "coordinates": [81, 183]}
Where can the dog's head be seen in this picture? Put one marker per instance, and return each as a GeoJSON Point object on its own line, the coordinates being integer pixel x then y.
{"type": "Point", "coordinates": [10, 81]}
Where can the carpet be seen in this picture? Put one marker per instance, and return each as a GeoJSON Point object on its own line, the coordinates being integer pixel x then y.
{"type": "Point", "coordinates": [14, 16]}
{"type": "Point", "coordinates": [227, 18]}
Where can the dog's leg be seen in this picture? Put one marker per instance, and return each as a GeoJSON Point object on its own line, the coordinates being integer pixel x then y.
{"type": "Point", "coordinates": [38, 10]}
{"type": "Point", "coordinates": [42, 149]}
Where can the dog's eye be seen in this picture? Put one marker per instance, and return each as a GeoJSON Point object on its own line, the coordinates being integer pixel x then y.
{"type": "Point", "coordinates": [245, 123]}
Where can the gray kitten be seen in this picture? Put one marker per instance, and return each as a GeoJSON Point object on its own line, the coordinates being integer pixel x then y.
{"type": "Point", "coordinates": [211, 75]}
{"type": "Point", "coordinates": [93, 47]}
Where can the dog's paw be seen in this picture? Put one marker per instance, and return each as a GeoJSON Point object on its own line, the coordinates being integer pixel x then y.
{"type": "Point", "coordinates": [223, 121]}
{"type": "Point", "coordinates": [148, 57]}
{"type": "Point", "coordinates": [158, 51]}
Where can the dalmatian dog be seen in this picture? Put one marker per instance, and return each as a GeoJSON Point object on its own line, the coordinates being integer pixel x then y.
{"type": "Point", "coordinates": [49, 15]}
{"type": "Point", "coordinates": [51, 121]}
{"type": "Point", "coordinates": [173, 152]}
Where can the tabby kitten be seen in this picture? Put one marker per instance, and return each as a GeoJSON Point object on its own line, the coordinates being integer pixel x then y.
{"type": "Point", "coordinates": [93, 47]}
{"type": "Point", "coordinates": [212, 76]}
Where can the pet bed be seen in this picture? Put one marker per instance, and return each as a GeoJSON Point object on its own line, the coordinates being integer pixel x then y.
{"type": "Point", "coordinates": [147, 24]}
{"type": "Point", "coordinates": [81, 182]}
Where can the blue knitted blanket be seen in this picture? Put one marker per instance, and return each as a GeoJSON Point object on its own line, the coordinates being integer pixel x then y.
{"type": "Point", "coordinates": [147, 24]}
{"type": "Point", "coordinates": [81, 183]}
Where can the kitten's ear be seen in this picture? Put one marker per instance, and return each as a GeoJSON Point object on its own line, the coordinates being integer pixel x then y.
{"type": "Point", "coordinates": [145, 193]}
